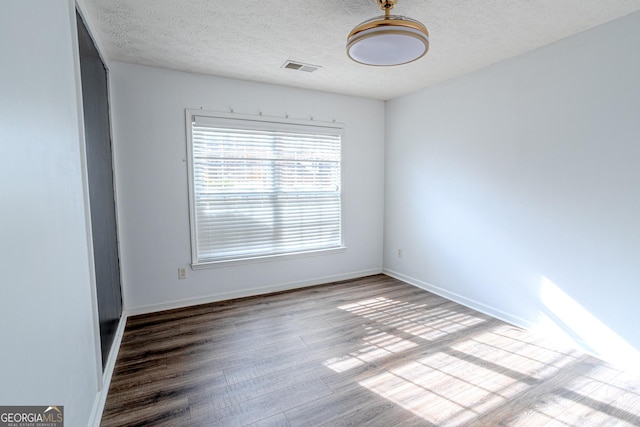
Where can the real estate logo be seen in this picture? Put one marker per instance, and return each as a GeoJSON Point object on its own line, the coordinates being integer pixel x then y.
{"type": "Point", "coordinates": [32, 416]}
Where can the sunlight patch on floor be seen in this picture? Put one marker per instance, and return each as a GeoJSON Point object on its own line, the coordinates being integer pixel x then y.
{"type": "Point", "coordinates": [438, 396]}
{"type": "Point", "coordinates": [517, 357]}
{"type": "Point", "coordinates": [414, 319]}
{"type": "Point", "coordinates": [485, 372]}
{"type": "Point", "coordinates": [375, 346]}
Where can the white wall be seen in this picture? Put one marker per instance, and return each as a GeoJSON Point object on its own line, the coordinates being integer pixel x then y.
{"type": "Point", "coordinates": [48, 329]}
{"type": "Point", "coordinates": [150, 147]}
{"type": "Point", "coordinates": [515, 189]}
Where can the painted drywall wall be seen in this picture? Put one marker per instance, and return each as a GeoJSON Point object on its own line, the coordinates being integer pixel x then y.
{"type": "Point", "coordinates": [148, 107]}
{"type": "Point", "coordinates": [515, 189]}
{"type": "Point", "coordinates": [48, 332]}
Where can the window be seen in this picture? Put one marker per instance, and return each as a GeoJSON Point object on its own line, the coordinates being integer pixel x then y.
{"type": "Point", "coordinates": [262, 188]}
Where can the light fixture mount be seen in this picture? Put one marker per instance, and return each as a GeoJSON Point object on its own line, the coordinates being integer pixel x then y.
{"type": "Point", "coordinates": [388, 39]}
{"type": "Point", "coordinates": [387, 5]}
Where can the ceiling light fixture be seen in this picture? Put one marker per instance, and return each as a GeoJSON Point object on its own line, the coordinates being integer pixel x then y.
{"type": "Point", "coordinates": [388, 39]}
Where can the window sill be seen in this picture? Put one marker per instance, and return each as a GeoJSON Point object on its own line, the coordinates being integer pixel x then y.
{"type": "Point", "coordinates": [268, 258]}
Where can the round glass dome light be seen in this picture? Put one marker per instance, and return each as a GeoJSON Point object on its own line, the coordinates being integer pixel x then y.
{"type": "Point", "coordinates": [388, 40]}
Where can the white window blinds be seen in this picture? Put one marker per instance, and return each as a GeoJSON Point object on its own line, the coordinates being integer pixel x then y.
{"type": "Point", "coordinates": [262, 188]}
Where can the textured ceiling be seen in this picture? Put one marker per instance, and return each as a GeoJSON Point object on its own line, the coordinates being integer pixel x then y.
{"type": "Point", "coordinates": [251, 39]}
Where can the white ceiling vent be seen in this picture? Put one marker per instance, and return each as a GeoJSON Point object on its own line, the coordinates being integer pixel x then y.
{"type": "Point", "coordinates": [299, 66]}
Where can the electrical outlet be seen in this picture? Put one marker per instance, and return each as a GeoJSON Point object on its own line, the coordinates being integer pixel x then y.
{"type": "Point", "coordinates": [399, 253]}
{"type": "Point", "coordinates": [182, 273]}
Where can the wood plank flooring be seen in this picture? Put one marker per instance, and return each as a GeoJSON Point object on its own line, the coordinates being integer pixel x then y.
{"type": "Point", "coordinates": [372, 351]}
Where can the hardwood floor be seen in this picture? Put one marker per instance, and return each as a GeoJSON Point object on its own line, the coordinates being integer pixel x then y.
{"type": "Point", "coordinates": [373, 351]}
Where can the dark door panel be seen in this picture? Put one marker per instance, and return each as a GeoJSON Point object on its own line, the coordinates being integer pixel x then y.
{"type": "Point", "coordinates": [95, 101]}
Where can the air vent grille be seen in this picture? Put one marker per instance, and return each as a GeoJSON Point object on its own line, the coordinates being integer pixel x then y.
{"type": "Point", "coordinates": [292, 65]}
{"type": "Point", "coordinates": [300, 66]}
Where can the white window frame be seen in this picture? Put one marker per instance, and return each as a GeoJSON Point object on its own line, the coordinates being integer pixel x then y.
{"type": "Point", "coordinates": [256, 122]}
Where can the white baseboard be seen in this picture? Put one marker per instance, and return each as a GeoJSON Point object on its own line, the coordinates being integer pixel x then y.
{"type": "Point", "coordinates": [101, 397]}
{"type": "Point", "coordinates": [250, 292]}
{"type": "Point", "coordinates": [462, 300]}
